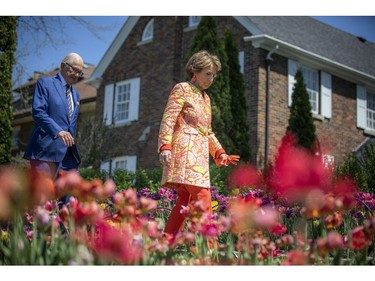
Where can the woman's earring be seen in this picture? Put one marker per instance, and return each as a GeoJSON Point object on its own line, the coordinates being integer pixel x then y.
{"type": "Point", "coordinates": [194, 79]}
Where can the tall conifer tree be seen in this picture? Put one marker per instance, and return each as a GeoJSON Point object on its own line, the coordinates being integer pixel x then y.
{"type": "Point", "coordinates": [240, 128]}
{"type": "Point", "coordinates": [8, 40]}
{"type": "Point", "coordinates": [206, 39]}
{"type": "Point", "coordinates": [301, 122]}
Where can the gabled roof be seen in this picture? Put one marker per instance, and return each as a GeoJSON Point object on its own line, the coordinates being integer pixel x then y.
{"type": "Point", "coordinates": [296, 36]}
{"type": "Point", "coordinates": [321, 39]}
{"type": "Point", "coordinates": [85, 91]}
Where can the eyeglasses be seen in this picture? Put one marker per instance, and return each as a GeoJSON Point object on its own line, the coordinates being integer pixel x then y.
{"type": "Point", "coordinates": [75, 70]}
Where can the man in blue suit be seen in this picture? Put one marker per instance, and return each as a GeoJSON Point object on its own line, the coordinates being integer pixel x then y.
{"type": "Point", "coordinates": [55, 111]}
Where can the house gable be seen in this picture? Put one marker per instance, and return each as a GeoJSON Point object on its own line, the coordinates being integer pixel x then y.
{"type": "Point", "coordinates": [96, 76]}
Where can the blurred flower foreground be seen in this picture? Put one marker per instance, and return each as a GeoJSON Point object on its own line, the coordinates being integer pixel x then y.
{"type": "Point", "coordinates": [294, 213]}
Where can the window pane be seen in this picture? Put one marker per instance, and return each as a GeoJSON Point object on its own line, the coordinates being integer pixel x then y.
{"type": "Point", "coordinates": [310, 78]}
{"type": "Point", "coordinates": [120, 165]}
{"type": "Point", "coordinates": [148, 32]}
{"type": "Point", "coordinates": [122, 102]}
{"type": "Point", "coordinates": [370, 110]}
{"type": "Point", "coordinates": [370, 101]}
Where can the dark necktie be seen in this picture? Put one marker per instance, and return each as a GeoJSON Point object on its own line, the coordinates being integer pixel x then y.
{"type": "Point", "coordinates": [70, 101]}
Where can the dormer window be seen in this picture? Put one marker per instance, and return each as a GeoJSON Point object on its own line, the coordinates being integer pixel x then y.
{"type": "Point", "coordinates": [194, 20]}
{"type": "Point", "coordinates": [148, 32]}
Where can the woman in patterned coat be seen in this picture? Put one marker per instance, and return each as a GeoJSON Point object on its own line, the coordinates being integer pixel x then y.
{"type": "Point", "coordinates": [186, 139]}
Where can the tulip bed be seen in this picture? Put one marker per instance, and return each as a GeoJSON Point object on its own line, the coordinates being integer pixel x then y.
{"type": "Point", "coordinates": [295, 213]}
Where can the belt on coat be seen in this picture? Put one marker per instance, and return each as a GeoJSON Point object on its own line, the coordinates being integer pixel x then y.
{"type": "Point", "coordinates": [203, 132]}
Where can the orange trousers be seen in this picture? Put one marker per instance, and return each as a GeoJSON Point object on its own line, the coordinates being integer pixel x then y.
{"type": "Point", "coordinates": [186, 195]}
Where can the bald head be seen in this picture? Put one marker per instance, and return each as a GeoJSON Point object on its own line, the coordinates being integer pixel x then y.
{"type": "Point", "coordinates": [73, 58]}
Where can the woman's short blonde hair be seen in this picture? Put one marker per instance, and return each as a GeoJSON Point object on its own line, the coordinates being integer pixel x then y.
{"type": "Point", "coordinates": [200, 61]}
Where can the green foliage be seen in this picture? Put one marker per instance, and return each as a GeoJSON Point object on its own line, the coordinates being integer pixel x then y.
{"type": "Point", "coordinates": [218, 176]}
{"type": "Point", "coordinates": [360, 168]}
{"type": "Point", "coordinates": [142, 178]}
{"type": "Point", "coordinates": [206, 39]}
{"type": "Point", "coordinates": [8, 42]}
{"type": "Point", "coordinates": [90, 174]}
{"type": "Point", "coordinates": [123, 179]}
{"type": "Point", "coordinates": [301, 122]}
{"type": "Point", "coordinates": [151, 178]}
{"type": "Point", "coordinates": [240, 129]}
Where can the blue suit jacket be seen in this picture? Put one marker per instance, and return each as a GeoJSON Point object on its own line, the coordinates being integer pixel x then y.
{"type": "Point", "coordinates": [50, 113]}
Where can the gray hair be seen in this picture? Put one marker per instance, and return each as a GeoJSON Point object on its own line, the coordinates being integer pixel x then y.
{"type": "Point", "coordinates": [71, 58]}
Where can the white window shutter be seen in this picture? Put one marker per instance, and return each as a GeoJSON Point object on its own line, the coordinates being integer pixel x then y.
{"type": "Point", "coordinates": [361, 107]}
{"type": "Point", "coordinates": [326, 91]}
{"type": "Point", "coordinates": [134, 99]}
{"type": "Point", "coordinates": [131, 164]}
{"type": "Point", "coordinates": [104, 166]}
{"type": "Point", "coordinates": [108, 104]}
{"type": "Point", "coordinates": [292, 69]}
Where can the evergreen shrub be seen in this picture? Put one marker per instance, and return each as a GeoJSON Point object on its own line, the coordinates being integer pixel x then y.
{"type": "Point", "coordinates": [360, 168]}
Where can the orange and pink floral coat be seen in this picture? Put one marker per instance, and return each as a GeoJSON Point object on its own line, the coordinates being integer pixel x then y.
{"type": "Point", "coordinates": [185, 129]}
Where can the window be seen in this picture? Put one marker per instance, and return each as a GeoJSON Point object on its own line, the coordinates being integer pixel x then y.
{"type": "Point", "coordinates": [310, 78]}
{"type": "Point", "coordinates": [15, 137]}
{"type": "Point", "coordinates": [194, 20]}
{"type": "Point", "coordinates": [365, 108]}
{"type": "Point", "coordinates": [318, 86]}
{"type": "Point", "coordinates": [241, 61]}
{"type": "Point", "coordinates": [148, 32]}
{"type": "Point", "coordinates": [371, 111]}
{"type": "Point", "coordinates": [121, 164]}
{"type": "Point", "coordinates": [128, 163]}
{"type": "Point", "coordinates": [121, 102]}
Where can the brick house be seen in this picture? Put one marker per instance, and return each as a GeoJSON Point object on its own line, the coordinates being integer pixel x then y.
{"type": "Point", "coordinates": [135, 75]}
{"type": "Point", "coordinates": [23, 122]}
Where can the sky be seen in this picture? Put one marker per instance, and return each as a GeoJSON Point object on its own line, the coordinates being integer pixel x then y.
{"type": "Point", "coordinates": [77, 39]}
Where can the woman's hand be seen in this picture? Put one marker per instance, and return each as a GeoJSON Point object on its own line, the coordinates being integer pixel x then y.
{"type": "Point", "coordinates": [226, 159]}
{"type": "Point", "coordinates": [165, 157]}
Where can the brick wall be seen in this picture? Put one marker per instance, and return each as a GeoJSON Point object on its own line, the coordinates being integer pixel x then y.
{"type": "Point", "coordinates": [338, 135]}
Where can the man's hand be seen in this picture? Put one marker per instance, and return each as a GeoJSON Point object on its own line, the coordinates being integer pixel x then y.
{"type": "Point", "coordinates": [66, 137]}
